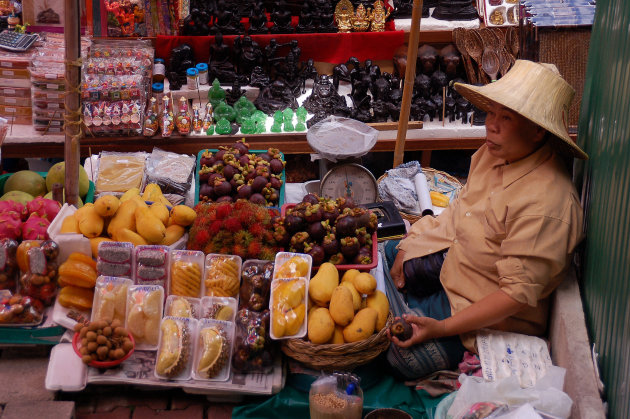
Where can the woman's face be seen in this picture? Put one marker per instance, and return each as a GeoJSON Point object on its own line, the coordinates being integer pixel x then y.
{"type": "Point", "coordinates": [510, 136]}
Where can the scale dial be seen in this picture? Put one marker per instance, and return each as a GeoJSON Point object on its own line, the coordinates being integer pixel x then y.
{"type": "Point", "coordinates": [351, 180]}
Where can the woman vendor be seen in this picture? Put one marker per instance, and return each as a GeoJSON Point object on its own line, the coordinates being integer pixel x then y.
{"type": "Point", "coordinates": [494, 256]}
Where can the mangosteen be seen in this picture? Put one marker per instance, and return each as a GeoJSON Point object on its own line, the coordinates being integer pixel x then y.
{"type": "Point", "coordinates": [298, 240]}
{"type": "Point", "coordinates": [345, 225]}
{"type": "Point", "coordinates": [224, 198]}
{"type": "Point", "coordinates": [236, 181]}
{"type": "Point", "coordinates": [311, 198]}
{"type": "Point", "coordinates": [276, 166]}
{"type": "Point", "coordinates": [262, 170]}
{"type": "Point", "coordinates": [206, 192]}
{"type": "Point", "coordinates": [361, 215]}
{"type": "Point", "coordinates": [316, 251]}
{"type": "Point", "coordinates": [344, 202]}
{"type": "Point", "coordinates": [275, 181]}
{"type": "Point", "coordinates": [241, 146]}
{"type": "Point", "coordinates": [331, 212]}
{"type": "Point", "coordinates": [222, 187]}
{"type": "Point", "coordinates": [372, 224]}
{"type": "Point", "coordinates": [281, 235]}
{"type": "Point", "coordinates": [265, 156]}
{"type": "Point", "coordinates": [249, 174]}
{"type": "Point", "coordinates": [401, 329]}
{"type": "Point", "coordinates": [50, 249]}
{"type": "Point", "coordinates": [204, 175]}
{"type": "Point", "coordinates": [259, 183]}
{"type": "Point", "coordinates": [207, 159]}
{"type": "Point", "coordinates": [267, 271]}
{"type": "Point", "coordinates": [213, 177]}
{"type": "Point", "coordinates": [229, 171]}
{"type": "Point", "coordinates": [313, 213]}
{"type": "Point", "coordinates": [258, 199]}
{"type": "Point", "coordinates": [337, 259]}
{"type": "Point", "coordinates": [316, 230]}
{"type": "Point", "coordinates": [244, 191]}
{"type": "Point", "coordinates": [364, 257]}
{"type": "Point", "coordinates": [363, 236]}
{"type": "Point", "coordinates": [219, 154]}
{"type": "Point", "coordinates": [349, 247]}
{"type": "Point", "coordinates": [270, 194]}
{"type": "Point", "coordinates": [330, 244]}
{"type": "Point", "coordinates": [293, 223]}
{"type": "Point", "coordinates": [244, 160]}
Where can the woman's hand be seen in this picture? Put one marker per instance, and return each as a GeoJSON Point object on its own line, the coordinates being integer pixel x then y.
{"type": "Point", "coordinates": [398, 276]}
{"type": "Point", "coordinates": [424, 328]}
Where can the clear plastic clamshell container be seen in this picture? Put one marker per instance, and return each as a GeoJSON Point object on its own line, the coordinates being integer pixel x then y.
{"type": "Point", "coordinates": [145, 305]}
{"type": "Point", "coordinates": [179, 306]}
{"type": "Point", "coordinates": [222, 275]}
{"type": "Point", "coordinates": [255, 285]}
{"type": "Point", "coordinates": [151, 265]}
{"type": "Point", "coordinates": [292, 265]}
{"type": "Point", "coordinates": [219, 308]}
{"type": "Point", "coordinates": [288, 304]}
{"type": "Point", "coordinates": [110, 299]}
{"type": "Point", "coordinates": [115, 259]}
{"type": "Point", "coordinates": [186, 273]}
{"type": "Point", "coordinates": [213, 350]}
{"type": "Point", "coordinates": [175, 353]}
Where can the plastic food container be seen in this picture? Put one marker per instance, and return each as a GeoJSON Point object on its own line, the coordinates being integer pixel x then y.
{"type": "Point", "coordinates": [256, 283]}
{"type": "Point", "coordinates": [213, 350]}
{"type": "Point", "coordinates": [145, 304]}
{"type": "Point", "coordinates": [288, 304]}
{"type": "Point", "coordinates": [175, 353]}
{"type": "Point", "coordinates": [110, 299]}
{"type": "Point", "coordinates": [336, 396]}
{"type": "Point", "coordinates": [178, 306]}
{"type": "Point", "coordinates": [151, 265]}
{"type": "Point", "coordinates": [115, 259]}
{"type": "Point", "coordinates": [292, 265]}
{"type": "Point", "coordinates": [219, 308]}
{"type": "Point", "coordinates": [222, 275]}
{"type": "Point", "coordinates": [186, 273]}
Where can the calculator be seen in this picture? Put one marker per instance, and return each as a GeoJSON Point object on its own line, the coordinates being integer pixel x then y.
{"type": "Point", "coordinates": [15, 41]}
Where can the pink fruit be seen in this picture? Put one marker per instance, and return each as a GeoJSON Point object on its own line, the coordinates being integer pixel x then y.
{"type": "Point", "coordinates": [10, 225]}
{"type": "Point", "coordinates": [14, 206]}
{"type": "Point", "coordinates": [45, 208]}
{"type": "Point", "coordinates": [35, 228]}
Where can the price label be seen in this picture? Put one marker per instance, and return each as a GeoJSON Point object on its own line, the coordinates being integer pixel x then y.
{"type": "Point", "coordinates": [11, 100]}
{"type": "Point", "coordinates": [37, 261]}
{"type": "Point", "coordinates": [52, 86]}
{"type": "Point", "coordinates": [6, 64]}
{"type": "Point", "coordinates": [9, 91]}
{"type": "Point", "coordinates": [8, 72]}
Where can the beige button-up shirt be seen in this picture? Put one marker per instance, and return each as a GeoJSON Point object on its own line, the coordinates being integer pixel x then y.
{"type": "Point", "coordinates": [513, 228]}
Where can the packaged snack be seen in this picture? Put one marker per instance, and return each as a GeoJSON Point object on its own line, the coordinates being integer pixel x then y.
{"type": "Point", "coordinates": [115, 259]}
{"type": "Point", "coordinates": [119, 172]}
{"type": "Point", "coordinates": [252, 346]}
{"type": "Point", "coordinates": [219, 308]}
{"type": "Point", "coordinates": [145, 304]}
{"type": "Point", "coordinates": [256, 280]}
{"type": "Point", "coordinates": [186, 273]}
{"type": "Point", "coordinates": [19, 310]}
{"type": "Point", "coordinates": [288, 308]}
{"type": "Point", "coordinates": [40, 279]}
{"type": "Point", "coordinates": [152, 265]}
{"type": "Point", "coordinates": [110, 299]}
{"type": "Point", "coordinates": [8, 264]}
{"type": "Point", "coordinates": [222, 275]}
{"type": "Point", "coordinates": [213, 350]}
{"type": "Point", "coordinates": [175, 353]}
{"type": "Point", "coordinates": [292, 265]}
{"type": "Point", "coordinates": [171, 171]}
{"type": "Point", "coordinates": [178, 306]}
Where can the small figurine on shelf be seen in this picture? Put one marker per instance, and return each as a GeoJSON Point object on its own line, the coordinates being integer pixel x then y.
{"type": "Point", "coordinates": [281, 18]}
{"type": "Point", "coordinates": [244, 109]}
{"type": "Point", "coordinates": [151, 124]}
{"type": "Point", "coordinates": [360, 20]}
{"type": "Point", "coordinates": [183, 122]}
{"type": "Point", "coordinates": [223, 110]}
{"type": "Point", "coordinates": [223, 127]}
{"type": "Point", "coordinates": [248, 126]}
{"type": "Point", "coordinates": [344, 12]}
{"type": "Point", "coordinates": [305, 23]}
{"type": "Point", "coordinates": [216, 94]}
{"type": "Point", "coordinates": [288, 120]}
{"type": "Point", "coordinates": [196, 120]}
{"type": "Point", "coordinates": [308, 72]}
{"type": "Point", "coordinates": [261, 121]}
{"type": "Point", "coordinates": [207, 118]}
{"type": "Point", "coordinates": [257, 21]}
{"type": "Point", "coordinates": [234, 94]}
{"type": "Point", "coordinates": [378, 16]}
{"type": "Point", "coordinates": [220, 64]}
{"type": "Point", "coordinates": [167, 124]}
{"type": "Point", "coordinates": [278, 117]}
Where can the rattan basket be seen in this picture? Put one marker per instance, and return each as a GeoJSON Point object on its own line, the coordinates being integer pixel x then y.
{"type": "Point", "coordinates": [412, 218]}
{"type": "Point", "coordinates": [344, 357]}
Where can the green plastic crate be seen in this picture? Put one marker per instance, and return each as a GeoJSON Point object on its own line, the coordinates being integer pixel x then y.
{"type": "Point", "coordinates": [213, 150]}
{"type": "Point", "coordinates": [89, 197]}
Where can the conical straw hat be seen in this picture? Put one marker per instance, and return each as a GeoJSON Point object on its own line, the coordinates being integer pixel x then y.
{"type": "Point", "coordinates": [535, 91]}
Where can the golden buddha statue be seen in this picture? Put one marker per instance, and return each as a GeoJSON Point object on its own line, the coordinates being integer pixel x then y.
{"type": "Point", "coordinates": [378, 16]}
{"type": "Point", "coordinates": [360, 21]}
{"type": "Point", "coordinates": [343, 16]}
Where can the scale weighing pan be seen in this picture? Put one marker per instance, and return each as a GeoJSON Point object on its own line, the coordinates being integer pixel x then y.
{"type": "Point", "coordinates": [337, 138]}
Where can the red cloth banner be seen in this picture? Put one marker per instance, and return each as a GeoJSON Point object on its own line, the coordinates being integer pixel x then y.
{"type": "Point", "coordinates": [324, 47]}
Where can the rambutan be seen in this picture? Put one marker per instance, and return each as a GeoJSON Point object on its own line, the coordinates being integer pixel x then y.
{"type": "Point", "coordinates": [201, 238]}
{"type": "Point", "coordinates": [253, 250]}
{"type": "Point", "coordinates": [267, 253]}
{"type": "Point", "coordinates": [215, 227]}
{"type": "Point", "coordinates": [239, 250]}
{"type": "Point", "coordinates": [239, 204]}
{"type": "Point", "coordinates": [246, 216]}
{"type": "Point", "coordinates": [223, 210]}
{"type": "Point", "coordinates": [267, 237]}
{"type": "Point", "coordinates": [243, 237]}
{"type": "Point", "coordinates": [256, 230]}
{"type": "Point", "coordinates": [232, 225]}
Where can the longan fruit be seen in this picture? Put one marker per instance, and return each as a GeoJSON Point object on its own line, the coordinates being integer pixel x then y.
{"type": "Point", "coordinates": [86, 359]}
{"type": "Point", "coordinates": [112, 354]}
{"type": "Point", "coordinates": [115, 323]}
{"type": "Point", "coordinates": [127, 345]}
{"type": "Point", "coordinates": [120, 331]}
{"type": "Point", "coordinates": [84, 342]}
{"type": "Point", "coordinates": [107, 331]}
{"type": "Point", "coordinates": [83, 331]}
{"type": "Point", "coordinates": [101, 340]}
{"type": "Point", "coordinates": [83, 350]}
{"type": "Point", "coordinates": [77, 327]}
{"type": "Point", "coordinates": [92, 327]}
{"type": "Point", "coordinates": [119, 353]}
{"type": "Point", "coordinates": [92, 346]}
{"type": "Point", "coordinates": [91, 336]}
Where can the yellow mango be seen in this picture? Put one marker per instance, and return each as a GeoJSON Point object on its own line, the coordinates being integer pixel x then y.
{"type": "Point", "coordinates": [95, 242]}
{"type": "Point", "coordinates": [365, 283]}
{"type": "Point", "coordinates": [106, 205]}
{"type": "Point", "coordinates": [379, 302]}
{"type": "Point", "coordinates": [320, 326]}
{"type": "Point", "coordinates": [126, 235]}
{"type": "Point", "coordinates": [289, 293]}
{"type": "Point", "coordinates": [172, 234]}
{"type": "Point", "coordinates": [362, 326]}
{"type": "Point", "coordinates": [341, 308]}
{"type": "Point", "coordinates": [349, 275]}
{"type": "Point", "coordinates": [140, 202]}
{"type": "Point", "coordinates": [149, 226]}
{"type": "Point", "coordinates": [295, 319]}
{"type": "Point", "coordinates": [90, 224]}
{"type": "Point", "coordinates": [80, 213]}
{"type": "Point", "coordinates": [337, 338]}
{"type": "Point", "coordinates": [124, 217]}
{"type": "Point", "coordinates": [160, 211]}
{"type": "Point", "coordinates": [129, 194]}
{"type": "Point", "coordinates": [279, 323]}
{"type": "Point", "coordinates": [70, 224]}
{"type": "Point", "coordinates": [183, 215]}
{"type": "Point", "coordinates": [323, 283]}
{"type": "Point", "coordinates": [356, 297]}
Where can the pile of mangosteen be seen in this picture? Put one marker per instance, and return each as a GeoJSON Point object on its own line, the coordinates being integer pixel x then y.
{"type": "Point", "coordinates": [330, 230]}
{"type": "Point", "coordinates": [233, 173]}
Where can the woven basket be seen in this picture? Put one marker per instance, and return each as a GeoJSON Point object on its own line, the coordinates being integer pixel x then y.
{"type": "Point", "coordinates": [344, 357]}
{"type": "Point", "coordinates": [412, 218]}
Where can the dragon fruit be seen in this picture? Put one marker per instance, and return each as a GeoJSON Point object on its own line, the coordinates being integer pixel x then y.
{"type": "Point", "coordinates": [35, 228]}
{"type": "Point", "coordinates": [17, 207]}
{"type": "Point", "coordinates": [45, 208]}
{"type": "Point", "coordinates": [10, 225]}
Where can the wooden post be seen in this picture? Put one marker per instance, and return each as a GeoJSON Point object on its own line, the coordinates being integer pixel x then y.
{"type": "Point", "coordinates": [72, 152]}
{"type": "Point", "coordinates": [410, 76]}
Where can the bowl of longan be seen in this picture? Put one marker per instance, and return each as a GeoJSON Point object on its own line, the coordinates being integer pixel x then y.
{"type": "Point", "coordinates": [102, 343]}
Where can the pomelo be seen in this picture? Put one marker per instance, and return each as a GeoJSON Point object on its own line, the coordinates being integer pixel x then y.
{"type": "Point", "coordinates": [26, 181]}
{"type": "Point", "coordinates": [79, 202]}
{"type": "Point", "coordinates": [57, 174]}
{"type": "Point", "coordinates": [17, 196]}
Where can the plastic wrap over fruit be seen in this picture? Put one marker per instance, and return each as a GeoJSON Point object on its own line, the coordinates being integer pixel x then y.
{"type": "Point", "coordinates": [254, 292]}
{"type": "Point", "coordinates": [39, 279]}
{"type": "Point", "coordinates": [253, 351]}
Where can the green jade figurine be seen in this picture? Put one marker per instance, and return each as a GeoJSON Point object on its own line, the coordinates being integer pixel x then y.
{"type": "Point", "coordinates": [216, 94]}
{"type": "Point", "coordinates": [301, 118]}
{"type": "Point", "coordinates": [261, 121]}
{"type": "Point", "coordinates": [223, 110]}
{"type": "Point", "coordinates": [248, 126]}
{"type": "Point", "coordinates": [223, 126]}
{"type": "Point", "coordinates": [288, 120]}
{"type": "Point", "coordinates": [278, 117]}
{"type": "Point", "coordinates": [244, 109]}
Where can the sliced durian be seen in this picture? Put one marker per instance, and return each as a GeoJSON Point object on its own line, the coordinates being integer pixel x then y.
{"type": "Point", "coordinates": [106, 307]}
{"type": "Point", "coordinates": [220, 312]}
{"type": "Point", "coordinates": [135, 321]}
{"type": "Point", "coordinates": [152, 303]}
{"type": "Point", "coordinates": [120, 300]}
{"type": "Point", "coordinates": [214, 351]}
{"type": "Point", "coordinates": [152, 331]}
{"type": "Point", "coordinates": [173, 352]}
{"type": "Point", "coordinates": [181, 307]}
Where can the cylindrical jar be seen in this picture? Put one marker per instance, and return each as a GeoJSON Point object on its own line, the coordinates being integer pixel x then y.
{"type": "Point", "coordinates": [192, 77]}
{"type": "Point", "coordinates": [202, 69]}
{"type": "Point", "coordinates": [159, 70]}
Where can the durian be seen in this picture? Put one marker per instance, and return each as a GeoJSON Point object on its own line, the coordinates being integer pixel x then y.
{"type": "Point", "coordinates": [174, 348]}
{"type": "Point", "coordinates": [215, 349]}
{"type": "Point", "coordinates": [181, 307]}
{"type": "Point", "coordinates": [220, 312]}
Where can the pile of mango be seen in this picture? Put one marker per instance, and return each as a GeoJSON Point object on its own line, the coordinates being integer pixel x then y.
{"type": "Point", "coordinates": [345, 312]}
{"type": "Point", "coordinates": [130, 219]}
